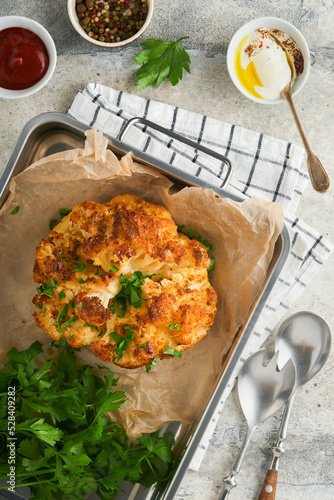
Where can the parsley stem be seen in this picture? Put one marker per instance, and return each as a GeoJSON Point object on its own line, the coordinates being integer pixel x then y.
{"type": "Point", "coordinates": [150, 466]}
{"type": "Point", "coordinates": [37, 473]}
{"type": "Point", "coordinates": [26, 484]}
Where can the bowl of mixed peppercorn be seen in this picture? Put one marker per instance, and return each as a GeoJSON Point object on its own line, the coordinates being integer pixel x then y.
{"type": "Point", "coordinates": [111, 23]}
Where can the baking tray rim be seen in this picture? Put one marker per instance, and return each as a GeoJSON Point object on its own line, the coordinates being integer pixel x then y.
{"type": "Point", "coordinates": [60, 120]}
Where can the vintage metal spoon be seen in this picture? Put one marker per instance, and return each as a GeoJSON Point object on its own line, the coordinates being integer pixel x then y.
{"type": "Point", "coordinates": [318, 175]}
{"type": "Point", "coordinates": [262, 390]}
{"type": "Point", "coordinates": [306, 339]}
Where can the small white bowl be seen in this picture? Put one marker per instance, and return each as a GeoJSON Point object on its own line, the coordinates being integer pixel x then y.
{"type": "Point", "coordinates": [270, 23]}
{"type": "Point", "coordinates": [72, 13]}
{"type": "Point", "coordinates": [30, 24]}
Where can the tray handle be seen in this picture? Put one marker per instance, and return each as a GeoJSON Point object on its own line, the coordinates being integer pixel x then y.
{"type": "Point", "coordinates": [180, 138]}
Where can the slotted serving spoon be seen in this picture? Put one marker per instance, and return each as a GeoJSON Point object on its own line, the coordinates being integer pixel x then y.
{"type": "Point", "coordinates": [306, 339]}
{"type": "Point", "coordinates": [262, 391]}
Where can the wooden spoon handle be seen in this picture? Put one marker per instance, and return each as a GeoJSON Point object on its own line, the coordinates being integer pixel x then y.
{"type": "Point", "coordinates": [268, 491]}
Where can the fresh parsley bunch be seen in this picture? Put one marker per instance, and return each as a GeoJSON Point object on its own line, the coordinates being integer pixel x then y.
{"type": "Point", "coordinates": [161, 60]}
{"type": "Point", "coordinates": [65, 446]}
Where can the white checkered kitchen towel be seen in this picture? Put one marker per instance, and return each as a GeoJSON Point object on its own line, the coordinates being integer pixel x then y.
{"type": "Point", "coordinates": [263, 166]}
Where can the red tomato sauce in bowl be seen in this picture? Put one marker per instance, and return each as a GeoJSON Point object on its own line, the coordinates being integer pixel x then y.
{"type": "Point", "coordinates": [24, 58]}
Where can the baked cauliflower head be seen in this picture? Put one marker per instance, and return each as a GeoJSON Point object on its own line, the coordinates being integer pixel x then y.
{"type": "Point", "coordinates": [118, 277]}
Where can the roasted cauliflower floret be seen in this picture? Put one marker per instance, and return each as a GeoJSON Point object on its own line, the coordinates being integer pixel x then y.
{"type": "Point", "coordinates": [118, 277]}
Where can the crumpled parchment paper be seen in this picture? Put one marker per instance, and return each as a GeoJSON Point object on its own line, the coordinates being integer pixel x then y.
{"type": "Point", "coordinates": [243, 237]}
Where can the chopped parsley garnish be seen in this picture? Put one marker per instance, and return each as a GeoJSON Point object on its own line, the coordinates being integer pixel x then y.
{"type": "Point", "coordinates": [113, 268]}
{"type": "Point", "coordinates": [72, 304]}
{"type": "Point", "coordinates": [47, 288]}
{"type": "Point", "coordinates": [80, 304]}
{"type": "Point", "coordinates": [52, 223]}
{"type": "Point", "coordinates": [60, 318]}
{"type": "Point", "coordinates": [62, 257]}
{"type": "Point", "coordinates": [173, 352]}
{"type": "Point", "coordinates": [193, 235]}
{"type": "Point", "coordinates": [65, 444]}
{"type": "Point", "coordinates": [154, 363]}
{"type": "Point", "coordinates": [81, 281]}
{"type": "Point", "coordinates": [79, 266]}
{"type": "Point", "coordinates": [16, 209]}
{"type": "Point", "coordinates": [173, 325]}
{"type": "Point", "coordinates": [130, 292]}
{"type": "Point", "coordinates": [143, 345]}
{"type": "Point", "coordinates": [64, 211]}
{"type": "Point", "coordinates": [123, 342]}
{"type": "Point", "coordinates": [92, 326]}
{"type": "Point", "coordinates": [69, 322]}
{"type": "Point", "coordinates": [62, 295]}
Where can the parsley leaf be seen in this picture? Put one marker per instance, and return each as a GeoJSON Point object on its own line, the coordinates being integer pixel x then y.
{"type": "Point", "coordinates": [52, 223]}
{"type": "Point", "coordinates": [92, 326]}
{"type": "Point", "coordinates": [173, 325]}
{"type": "Point", "coordinates": [16, 209]}
{"type": "Point", "coordinates": [193, 234]}
{"type": "Point", "coordinates": [64, 211]}
{"type": "Point", "coordinates": [113, 268]}
{"type": "Point", "coordinates": [61, 316]}
{"type": "Point", "coordinates": [47, 288]}
{"type": "Point", "coordinates": [43, 431]}
{"type": "Point", "coordinates": [81, 281]}
{"type": "Point", "coordinates": [60, 343]}
{"type": "Point", "coordinates": [161, 60]}
{"type": "Point", "coordinates": [79, 265]}
{"type": "Point", "coordinates": [69, 322]}
{"type": "Point", "coordinates": [27, 357]}
{"type": "Point", "coordinates": [122, 342]}
{"type": "Point", "coordinates": [173, 352]}
{"type": "Point", "coordinates": [154, 363]}
{"type": "Point", "coordinates": [62, 257]}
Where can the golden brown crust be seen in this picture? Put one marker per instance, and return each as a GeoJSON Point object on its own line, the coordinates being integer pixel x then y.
{"type": "Point", "coordinates": [87, 256]}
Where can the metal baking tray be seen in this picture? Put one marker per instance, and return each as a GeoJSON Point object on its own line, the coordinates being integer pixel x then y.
{"type": "Point", "coordinates": [55, 132]}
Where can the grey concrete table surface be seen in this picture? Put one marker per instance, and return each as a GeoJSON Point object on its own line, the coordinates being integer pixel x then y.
{"type": "Point", "coordinates": [307, 469]}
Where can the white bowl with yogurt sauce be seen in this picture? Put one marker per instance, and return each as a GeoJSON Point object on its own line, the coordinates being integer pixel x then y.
{"type": "Point", "coordinates": [270, 23]}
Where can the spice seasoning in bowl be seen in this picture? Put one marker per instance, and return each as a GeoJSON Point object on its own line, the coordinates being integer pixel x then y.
{"type": "Point", "coordinates": [110, 23]}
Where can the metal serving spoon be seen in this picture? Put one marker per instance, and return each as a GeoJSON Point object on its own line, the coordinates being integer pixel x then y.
{"type": "Point", "coordinates": [262, 390]}
{"type": "Point", "coordinates": [306, 339]}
